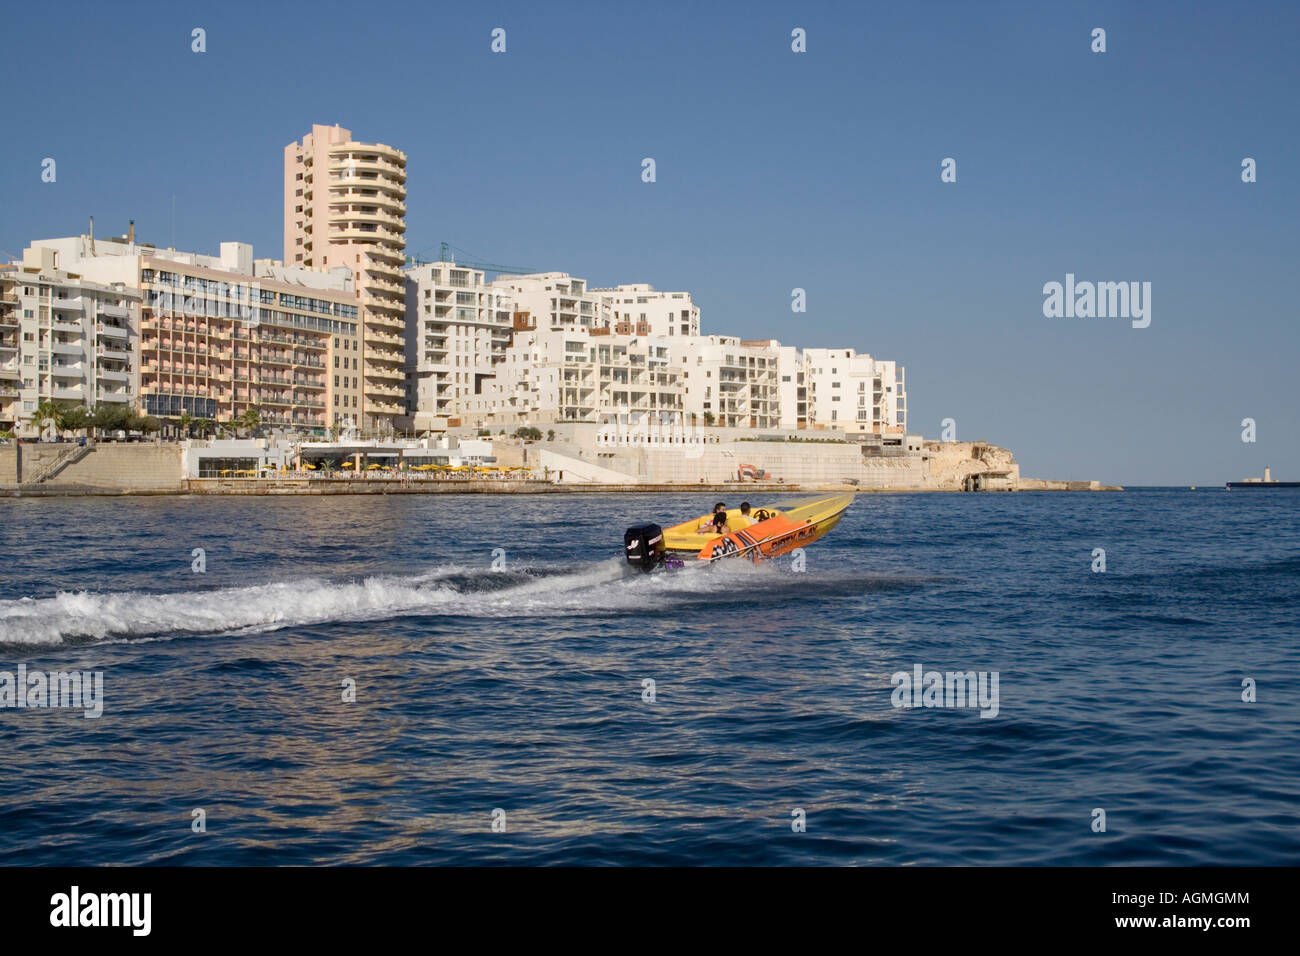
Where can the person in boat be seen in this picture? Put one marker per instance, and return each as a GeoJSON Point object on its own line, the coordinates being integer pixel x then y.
{"type": "Point", "coordinates": [744, 519]}
{"type": "Point", "coordinates": [717, 523]}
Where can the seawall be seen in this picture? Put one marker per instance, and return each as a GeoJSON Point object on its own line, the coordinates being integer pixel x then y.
{"type": "Point", "coordinates": [39, 469]}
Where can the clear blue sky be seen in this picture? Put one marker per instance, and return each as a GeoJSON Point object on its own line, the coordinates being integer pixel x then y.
{"type": "Point", "coordinates": [775, 170]}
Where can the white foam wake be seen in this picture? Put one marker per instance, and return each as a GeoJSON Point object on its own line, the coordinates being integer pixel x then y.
{"type": "Point", "coordinates": [88, 616]}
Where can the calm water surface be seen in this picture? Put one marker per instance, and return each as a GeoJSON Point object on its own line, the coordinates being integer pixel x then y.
{"type": "Point", "coordinates": [521, 689]}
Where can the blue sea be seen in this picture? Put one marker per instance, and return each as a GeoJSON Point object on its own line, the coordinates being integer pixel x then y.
{"type": "Point", "coordinates": [500, 653]}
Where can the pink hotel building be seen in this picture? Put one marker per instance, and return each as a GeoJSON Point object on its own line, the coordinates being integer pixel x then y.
{"type": "Point", "coordinates": [345, 205]}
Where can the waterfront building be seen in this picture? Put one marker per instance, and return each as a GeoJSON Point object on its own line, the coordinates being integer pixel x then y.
{"type": "Point", "coordinates": [64, 338]}
{"type": "Point", "coordinates": [637, 309]}
{"type": "Point", "coordinates": [582, 375]}
{"type": "Point", "coordinates": [458, 327]}
{"type": "Point", "coordinates": [10, 340]}
{"type": "Point", "coordinates": [556, 300]}
{"type": "Point", "coordinates": [856, 393]}
{"type": "Point", "coordinates": [222, 335]}
{"type": "Point", "coordinates": [728, 382]}
{"type": "Point", "coordinates": [345, 205]}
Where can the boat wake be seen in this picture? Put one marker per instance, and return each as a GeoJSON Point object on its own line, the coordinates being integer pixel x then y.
{"type": "Point", "coordinates": [605, 588]}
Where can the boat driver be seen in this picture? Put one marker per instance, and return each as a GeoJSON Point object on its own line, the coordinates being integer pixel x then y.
{"type": "Point", "coordinates": [744, 519]}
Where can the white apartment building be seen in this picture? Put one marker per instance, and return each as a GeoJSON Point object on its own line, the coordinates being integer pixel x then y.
{"type": "Point", "coordinates": [555, 300]}
{"type": "Point", "coordinates": [728, 382]}
{"type": "Point", "coordinates": [637, 309]}
{"type": "Point", "coordinates": [792, 390]}
{"type": "Point", "coordinates": [854, 392]}
{"type": "Point", "coordinates": [458, 327]}
{"type": "Point", "coordinates": [572, 375]}
{"type": "Point", "coordinates": [66, 339]}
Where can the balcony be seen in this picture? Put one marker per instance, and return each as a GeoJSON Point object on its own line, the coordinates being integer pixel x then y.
{"type": "Point", "coordinates": [385, 285]}
{"type": "Point", "coordinates": [71, 394]}
{"type": "Point", "coordinates": [353, 168]}
{"type": "Point", "coordinates": [395, 323]}
{"type": "Point", "coordinates": [67, 348]}
{"type": "Point", "coordinates": [115, 312]}
{"type": "Point", "coordinates": [114, 375]}
{"type": "Point", "coordinates": [388, 374]}
{"type": "Point", "coordinates": [395, 256]}
{"type": "Point", "coordinates": [66, 305]}
{"type": "Point", "coordinates": [365, 194]}
{"type": "Point", "coordinates": [114, 331]}
{"type": "Point", "coordinates": [376, 216]}
{"type": "Point", "coordinates": [366, 179]}
{"type": "Point", "coordinates": [308, 341]}
{"type": "Point", "coordinates": [394, 340]}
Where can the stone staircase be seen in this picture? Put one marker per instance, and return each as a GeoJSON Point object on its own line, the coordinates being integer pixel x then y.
{"type": "Point", "coordinates": [63, 459]}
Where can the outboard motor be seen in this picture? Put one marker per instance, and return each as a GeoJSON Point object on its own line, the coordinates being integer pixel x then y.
{"type": "Point", "coordinates": [644, 546]}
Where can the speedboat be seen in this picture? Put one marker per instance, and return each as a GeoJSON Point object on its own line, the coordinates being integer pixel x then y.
{"type": "Point", "coordinates": [772, 533]}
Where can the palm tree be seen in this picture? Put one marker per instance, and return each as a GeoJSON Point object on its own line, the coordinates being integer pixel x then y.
{"type": "Point", "coordinates": [48, 413]}
{"type": "Point", "coordinates": [250, 419]}
{"type": "Point", "coordinates": [186, 421]}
